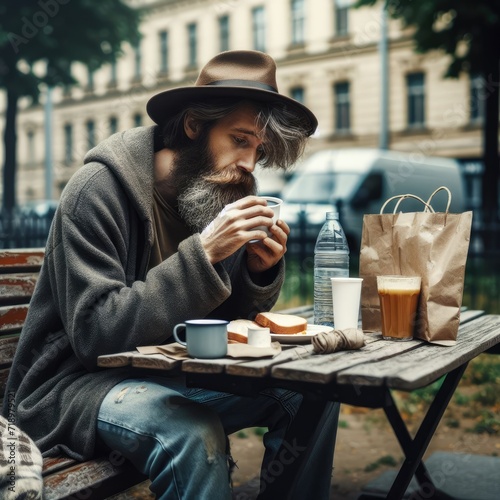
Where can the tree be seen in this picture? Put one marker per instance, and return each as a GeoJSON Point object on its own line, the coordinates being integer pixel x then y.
{"type": "Point", "coordinates": [469, 33]}
{"type": "Point", "coordinates": [53, 34]}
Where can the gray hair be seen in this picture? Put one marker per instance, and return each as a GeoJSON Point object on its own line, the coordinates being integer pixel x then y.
{"type": "Point", "coordinates": [283, 134]}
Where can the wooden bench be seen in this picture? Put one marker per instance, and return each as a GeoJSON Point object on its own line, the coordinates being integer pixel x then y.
{"type": "Point", "coordinates": [63, 476]}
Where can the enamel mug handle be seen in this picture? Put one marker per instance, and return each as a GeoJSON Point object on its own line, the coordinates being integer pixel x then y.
{"type": "Point", "coordinates": [176, 327]}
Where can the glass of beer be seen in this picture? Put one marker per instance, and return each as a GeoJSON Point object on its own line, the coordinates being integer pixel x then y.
{"type": "Point", "coordinates": [398, 305]}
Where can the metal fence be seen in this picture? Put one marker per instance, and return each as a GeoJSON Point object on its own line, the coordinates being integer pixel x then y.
{"type": "Point", "coordinates": [24, 230]}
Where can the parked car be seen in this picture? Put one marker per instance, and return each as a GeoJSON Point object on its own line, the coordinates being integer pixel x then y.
{"type": "Point", "coordinates": [355, 182]}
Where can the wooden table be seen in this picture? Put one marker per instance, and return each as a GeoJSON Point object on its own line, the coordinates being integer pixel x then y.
{"type": "Point", "coordinates": [363, 377]}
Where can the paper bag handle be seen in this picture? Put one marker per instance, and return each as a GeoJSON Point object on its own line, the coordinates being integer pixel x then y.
{"type": "Point", "coordinates": [442, 188]}
{"type": "Point", "coordinates": [401, 197]}
{"type": "Point", "coordinates": [427, 204]}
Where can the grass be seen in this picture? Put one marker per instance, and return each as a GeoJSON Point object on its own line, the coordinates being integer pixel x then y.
{"type": "Point", "coordinates": [387, 460]}
{"type": "Point", "coordinates": [245, 433]}
{"type": "Point", "coordinates": [477, 397]}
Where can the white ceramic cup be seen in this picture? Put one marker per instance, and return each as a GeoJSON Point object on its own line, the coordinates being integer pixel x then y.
{"type": "Point", "coordinates": [346, 297]}
{"type": "Point", "coordinates": [259, 336]}
{"type": "Point", "coordinates": [275, 204]}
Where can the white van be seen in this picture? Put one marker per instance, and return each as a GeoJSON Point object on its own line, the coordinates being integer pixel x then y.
{"type": "Point", "coordinates": [358, 181]}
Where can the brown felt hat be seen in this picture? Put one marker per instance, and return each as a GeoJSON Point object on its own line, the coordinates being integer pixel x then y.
{"type": "Point", "coordinates": [247, 74]}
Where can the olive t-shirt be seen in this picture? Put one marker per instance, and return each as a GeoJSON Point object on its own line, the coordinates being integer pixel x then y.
{"type": "Point", "coordinates": [169, 230]}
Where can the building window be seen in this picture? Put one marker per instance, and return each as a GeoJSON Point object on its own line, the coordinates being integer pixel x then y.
{"type": "Point", "coordinates": [477, 98]}
{"type": "Point", "coordinates": [137, 61]}
{"type": "Point", "coordinates": [341, 17]}
{"type": "Point", "coordinates": [163, 35]}
{"type": "Point", "coordinates": [415, 84]}
{"type": "Point", "coordinates": [192, 45]}
{"type": "Point", "coordinates": [31, 146]}
{"type": "Point", "coordinates": [297, 93]}
{"type": "Point", "coordinates": [68, 143]}
{"type": "Point", "coordinates": [259, 29]}
{"type": "Point", "coordinates": [113, 78]}
{"type": "Point", "coordinates": [90, 126]}
{"type": "Point", "coordinates": [224, 33]}
{"type": "Point", "coordinates": [298, 22]}
{"type": "Point", "coordinates": [342, 108]}
{"type": "Point", "coordinates": [113, 125]}
{"type": "Point", "coordinates": [138, 120]}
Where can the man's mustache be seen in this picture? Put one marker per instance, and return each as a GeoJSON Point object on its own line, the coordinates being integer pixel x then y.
{"type": "Point", "coordinates": [230, 176]}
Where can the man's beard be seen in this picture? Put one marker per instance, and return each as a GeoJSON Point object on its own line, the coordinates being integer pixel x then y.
{"type": "Point", "coordinates": [203, 191]}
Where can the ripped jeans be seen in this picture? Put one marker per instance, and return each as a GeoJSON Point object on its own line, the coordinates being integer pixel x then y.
{"type": "Point", "coordinates": [177, 436]}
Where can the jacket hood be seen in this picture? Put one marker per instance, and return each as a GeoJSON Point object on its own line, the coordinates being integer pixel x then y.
{"type": "Point", "coordinates": [130, 156]}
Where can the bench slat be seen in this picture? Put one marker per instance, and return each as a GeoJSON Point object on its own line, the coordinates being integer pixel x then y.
{"type": "Point", "coordinates": [17, 287]}
{"type": "Point", "coordinates": [20, 258]}
{"type": "Point", "coordinates": [95, 479]}
{"type": "Point", "coordinates": [54, 464]}
{"type": "Point", "coordinates": [8, 347]}
{"type": "Point", "coordinates": [12, 318]}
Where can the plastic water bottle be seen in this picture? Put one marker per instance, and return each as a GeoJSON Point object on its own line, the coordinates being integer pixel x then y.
{"type": "Point", "coordinates": [331, 259]}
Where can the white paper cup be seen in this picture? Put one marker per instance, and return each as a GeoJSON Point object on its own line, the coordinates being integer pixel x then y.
{"type": "Point", "coordinates": [275, 204]}
{"type": "Point", "coordinates": [346, 296]}
{"type": "Point", "coordinates": [259, 336]}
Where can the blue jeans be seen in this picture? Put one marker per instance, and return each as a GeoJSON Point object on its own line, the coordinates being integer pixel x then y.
{"type": "Point", "coordinates": [177, 436]}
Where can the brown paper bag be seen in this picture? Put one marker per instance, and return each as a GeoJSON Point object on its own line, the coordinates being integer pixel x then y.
{"type": "Point", "coordinates": [432, 245]}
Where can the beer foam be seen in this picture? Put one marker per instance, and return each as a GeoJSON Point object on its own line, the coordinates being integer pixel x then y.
{"type": "Point", "coordinates": [394, 283]}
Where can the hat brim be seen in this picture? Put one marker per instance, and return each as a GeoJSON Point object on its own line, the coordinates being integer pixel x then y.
{"type": "Point", "coordinates": [165, 104]}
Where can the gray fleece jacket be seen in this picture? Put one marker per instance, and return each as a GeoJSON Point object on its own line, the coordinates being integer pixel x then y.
{"type": "Point", "coordinates": [95, 296]}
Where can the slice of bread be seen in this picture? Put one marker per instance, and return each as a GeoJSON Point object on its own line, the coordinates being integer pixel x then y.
{"type": "Point", "coordinates": [237, 330]}
{"type": "Point", "coordinates": [287, 324]}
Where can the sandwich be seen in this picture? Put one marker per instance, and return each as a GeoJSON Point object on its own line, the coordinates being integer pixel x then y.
{"type": "Point", "coordinates": [237, 330]}
{"type": "Point", "coordinates": [286, 324]}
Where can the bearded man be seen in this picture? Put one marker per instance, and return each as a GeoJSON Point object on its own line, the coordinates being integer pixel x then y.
{"type": "Point", "coordinates": [156, 228]}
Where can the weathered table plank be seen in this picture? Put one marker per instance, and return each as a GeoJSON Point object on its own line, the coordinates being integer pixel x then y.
{"type": "Point", "coordinates": [422, 366]}
{"type": "Point", "coordinates": [208, 365]}
{"type": "Point", "coordinates": [155, 361]}
{"type": "Point", "coordinates": [324, 368]}
{"type": "Point", "coordinates": [263, 367]}
{"type": "Point", "coordinates": [381, 360]}
{"type": "Point", "coordinates": [116, 360]}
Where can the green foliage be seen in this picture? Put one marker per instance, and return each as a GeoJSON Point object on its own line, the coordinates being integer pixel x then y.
{"type": "Point", "coordinates": [489, 423]}
{"type": "Point", "coordinates": [426, 394]}
{"type": "Point", "coordinates": [488, 395]}
{"type": "Point", "coordinates": [259, 431]}
{"type": "Point", "coordinates": [388, 460]}
{"type": "Point", "coordinates": [460, 399]}
{"type": "Point", "coordinates": [242, 434]}
{"type": "Point", "coordinates": [462, 29]}
{"type": "Point", "coordinates": [484, 369]}
{"type": "Point", "coordinates": [452, 423]}
{"type": "Point", "coordinates": [57, 33]}
{"type": "Point", "coordinates": [40, 39]}
{"type": "Point", "coordinates": [343, 424]}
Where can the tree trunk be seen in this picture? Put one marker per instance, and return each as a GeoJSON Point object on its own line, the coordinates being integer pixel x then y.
{"type": "Point", "coordinates": [10, 152]}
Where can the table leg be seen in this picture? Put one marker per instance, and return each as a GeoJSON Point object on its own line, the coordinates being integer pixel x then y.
{"type": "Point", "coordinates": [298, 436]}
{"type": "Point", "coordinates": [414, 449]}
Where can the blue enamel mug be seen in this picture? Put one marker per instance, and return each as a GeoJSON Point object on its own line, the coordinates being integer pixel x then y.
{"type": "Point", "coordinates": [205, 338]}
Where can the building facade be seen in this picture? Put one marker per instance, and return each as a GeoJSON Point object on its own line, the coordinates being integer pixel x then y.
{"type": "Point", "coordinates": [329, 56]}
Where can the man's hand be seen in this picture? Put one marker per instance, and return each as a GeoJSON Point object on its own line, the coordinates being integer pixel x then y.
{"type": "Point", "coordinates": [233, 228]}
{"type": "Point", "coordinates": [263, 255]}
